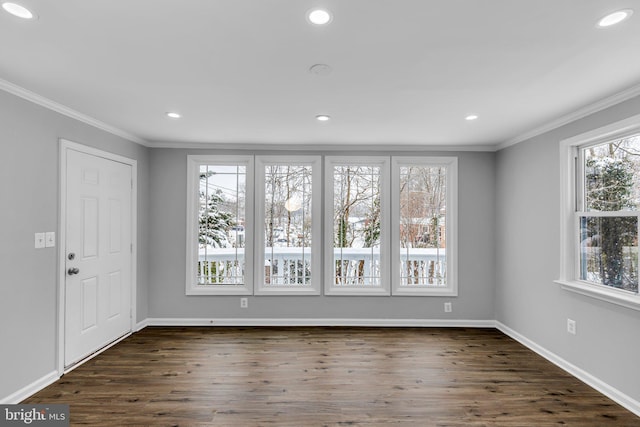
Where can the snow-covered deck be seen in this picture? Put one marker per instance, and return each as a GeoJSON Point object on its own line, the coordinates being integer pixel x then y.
{"type": "Point", "coordinates": [353, 266]}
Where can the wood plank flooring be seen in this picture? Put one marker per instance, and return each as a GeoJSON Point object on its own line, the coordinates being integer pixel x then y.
{"type": "Point", "coordinates": [201, 376]}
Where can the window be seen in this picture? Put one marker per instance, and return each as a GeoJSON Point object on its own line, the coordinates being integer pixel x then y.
{"type": "Point", "coordinates": [601, 205]}
{"type": "Point", "coordinates": [424, 225]}
{"type": "Point", "coordinates": [607, 215]}
{"type": "Point", "coordinates": [254, 225]}
{"type": "Point", "coordinates": [356, 226]}
{"type": "Point", "coordinates": [220, 208]}
{"type": "Point", "coordinates": [288, 226]}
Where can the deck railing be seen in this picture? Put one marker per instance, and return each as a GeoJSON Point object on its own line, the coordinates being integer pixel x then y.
{"type": "Point", "coordinates": [291, 266]}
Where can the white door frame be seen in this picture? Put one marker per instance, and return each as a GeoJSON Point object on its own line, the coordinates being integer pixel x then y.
{"type": "Point", "coordinates": [66, 145]}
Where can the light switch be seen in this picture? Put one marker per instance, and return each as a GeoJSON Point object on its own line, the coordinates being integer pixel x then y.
{"type": "Point", "coordinates": [50, 239]}
{"type": "Point", "coordinates": [39, 240]}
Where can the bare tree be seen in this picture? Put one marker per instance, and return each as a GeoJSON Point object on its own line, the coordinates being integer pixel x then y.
{"type": "Point", "coordinates": [356, 215]}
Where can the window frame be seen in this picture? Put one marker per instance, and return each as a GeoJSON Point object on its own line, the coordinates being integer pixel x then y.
{"type": "Point", "coordinates": [193, 199]}
{"type": "Point", "coordinates": [571, 194]}
{"type": "Point", "coordinates": [329, 287]}
{"type": "Point", "coordinates": [451, 224]}
{"type": "Point", "coordinates": [322, 228]}
{"type": "Point", "coordinates": [261, 162]}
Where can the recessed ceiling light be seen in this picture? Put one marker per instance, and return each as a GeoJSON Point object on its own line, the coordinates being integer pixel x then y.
{"type": "Point", "coordinates": [471, 117]}
{"type": "Point", "coordinates": [319, 16]}
{"type": "Point", "coordinates": [173, 115]}
{"type": "Point", "coordinates": [17, 10]}
{"type": "Point", "coordinates": [322, 118]}
{"type": "Point", "coordinates": [615, 18]}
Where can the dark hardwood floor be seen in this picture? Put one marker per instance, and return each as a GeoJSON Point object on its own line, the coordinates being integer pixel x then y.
{"type": "Point", "coordinates": [327, 377]}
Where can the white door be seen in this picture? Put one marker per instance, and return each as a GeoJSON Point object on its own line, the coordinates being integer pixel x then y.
{"type": "Point", "coordinates": [98, 254]}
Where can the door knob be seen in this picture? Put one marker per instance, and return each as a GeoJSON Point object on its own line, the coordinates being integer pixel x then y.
{"type": "Point", "coordinates": [73, 271]}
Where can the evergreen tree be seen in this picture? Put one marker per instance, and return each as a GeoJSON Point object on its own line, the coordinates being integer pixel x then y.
{"type": "Point", "coordinates": [609, 186]}
{"type": "Point", "coordinates": [213, 222]}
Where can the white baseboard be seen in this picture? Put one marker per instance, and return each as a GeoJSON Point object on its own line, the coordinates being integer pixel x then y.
{"type": "Point", "coordinates": [604, 388]}
{"type": "Point", "coordinates": [141, 325]}
{"type": "Point", "coordinates": [31, 389]}
{"type": "Point", "coordinates": [418, 323]}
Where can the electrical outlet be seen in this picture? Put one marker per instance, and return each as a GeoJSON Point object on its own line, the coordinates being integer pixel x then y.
{"type": "Point", "coordinates": [447, 307]}
{"type": "Point", "coordinates": [571, 326]}
{"type": "Point", "coordinates": [244, 302]}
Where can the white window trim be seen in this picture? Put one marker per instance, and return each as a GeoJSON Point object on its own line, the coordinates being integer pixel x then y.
{"type": "Point", "coordinates": [451, 163]}
{"type": "Point", "coordinates": [568, 240]}
{"type": "Point", "coordinates": [316, 226]}
{"type": "Point", "coordinates": [193, 198]}
{"type": "Point", "coordinates": [330, 289]}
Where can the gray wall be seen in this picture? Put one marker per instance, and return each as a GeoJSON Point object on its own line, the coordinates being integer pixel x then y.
{"type": "Point", "coordinates": [29, 195]}
{"type": "Point", "coordinates": [168, 240]}
{"type": "Point", "coordinates": [508, 250]}
{"type": "Point", "coordinates": [606, 344]}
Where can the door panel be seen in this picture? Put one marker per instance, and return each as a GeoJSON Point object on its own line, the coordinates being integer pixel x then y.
{"type": "Point", "coordinates": [98, 233]}
{"type": "Point", "coordinates": [115, 294]}
{"type": "Point", "coordinates": [115, 226]}
{"type": "Point", "coordinates": [89, 228]}
{"type": "Point", "coordinates": [89, 303]}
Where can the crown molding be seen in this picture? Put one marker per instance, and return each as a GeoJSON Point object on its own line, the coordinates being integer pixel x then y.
{"type": "Point", "coordinates": [554, 124]}
{"type": "Point", "coordinates": [66, 111]}
{"type": "Point", "coordinates": [318, 147]}
{"type": "Point", "coordinates": [585, 111]}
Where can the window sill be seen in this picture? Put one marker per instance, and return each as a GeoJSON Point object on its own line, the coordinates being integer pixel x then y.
{"type": "Point", "coordinates": [283, 290]}
{"type": "Point", "coordinates": [218, 290]}
{"type": "Point", "coordinates": [425, 291]}
{"type": "Point", "coordinates": [356, 291]}
{"type": "Point", "coordinates": [601, 293]}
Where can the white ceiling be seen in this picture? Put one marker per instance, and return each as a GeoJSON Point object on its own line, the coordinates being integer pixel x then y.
{"type": "Point", "coordinates": [403, 71]}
